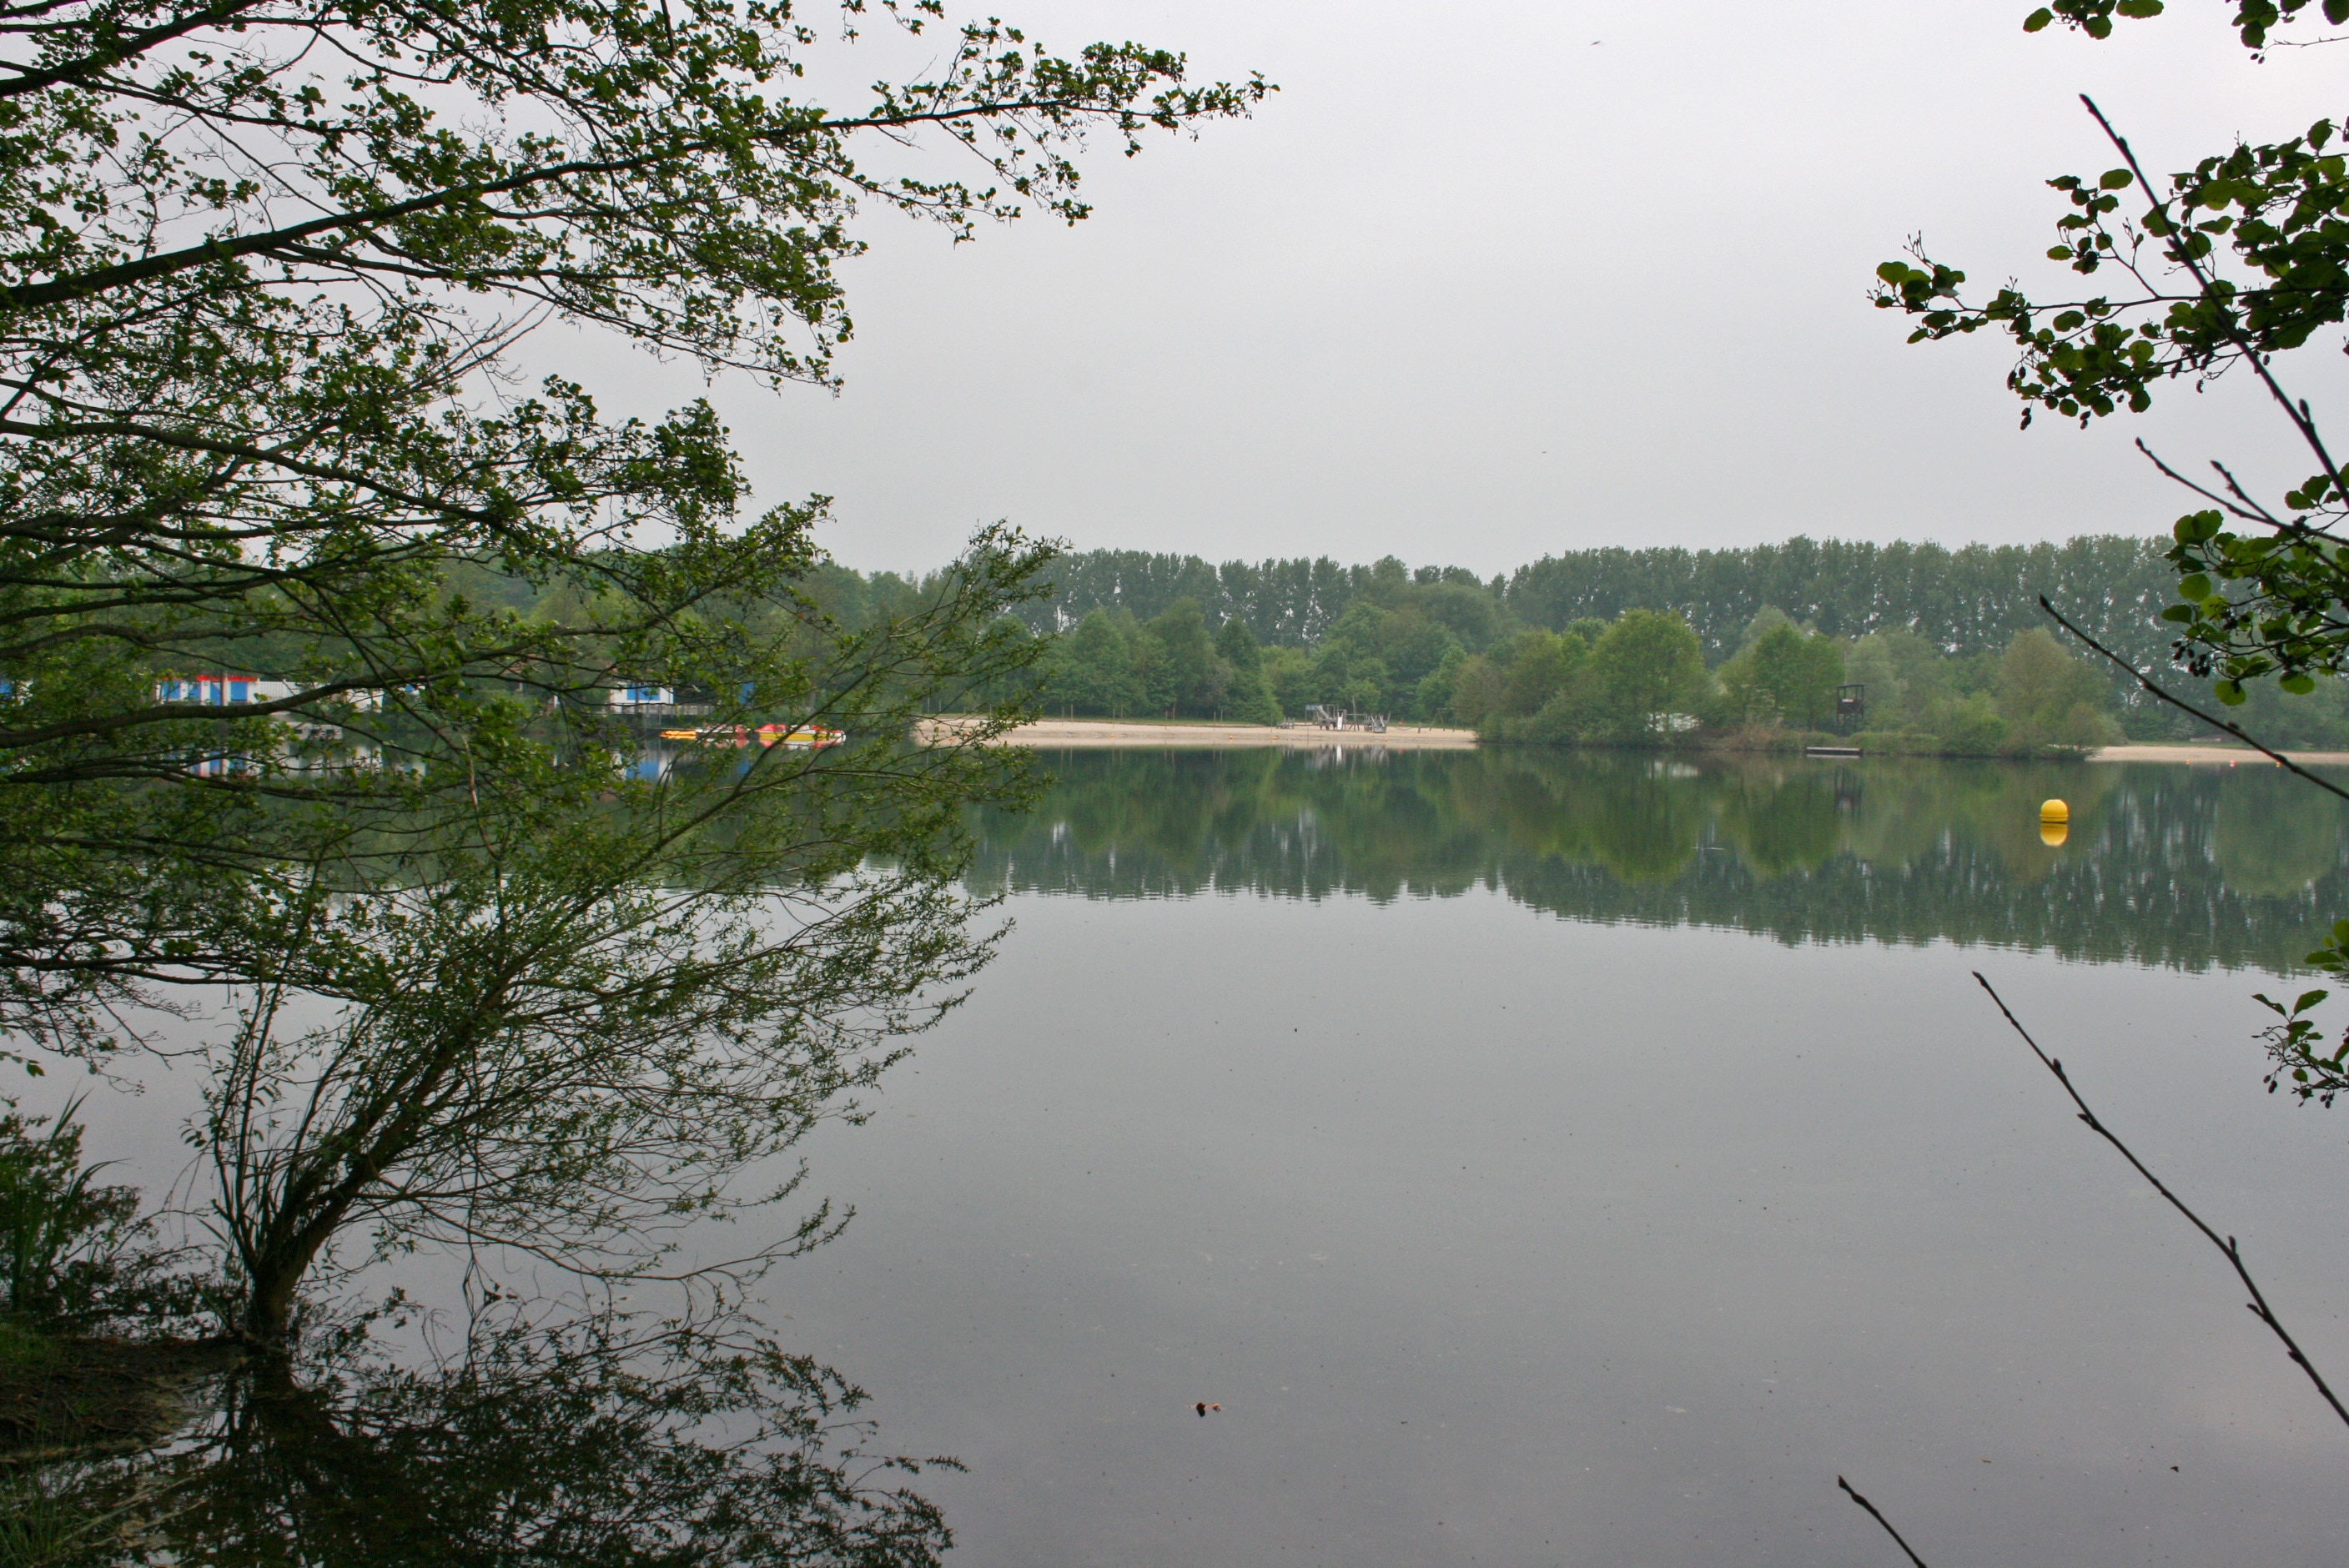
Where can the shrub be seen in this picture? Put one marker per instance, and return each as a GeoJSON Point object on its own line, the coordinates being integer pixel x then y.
{"type": "Point", "coordinates": [1972, 728]}
{"type": "Point", "coordinates": [72, 1252]}
{"type": "Point", "coordinates": [2048, 697]}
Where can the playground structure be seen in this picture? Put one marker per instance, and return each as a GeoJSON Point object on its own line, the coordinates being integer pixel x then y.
{"type": "Point", "coordinates": [1340, 718]}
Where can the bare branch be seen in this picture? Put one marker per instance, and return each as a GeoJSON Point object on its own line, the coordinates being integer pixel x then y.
{"type": "Point", "coordinates": [2227, 1246]}
{"type": "Point", "coordinates": [1880, 1519]}
{"type": "Point", "coordinates": [2215, 722]}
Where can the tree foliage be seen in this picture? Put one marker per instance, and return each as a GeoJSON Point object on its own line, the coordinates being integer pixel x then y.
{"type": "Point", "coordinates": [74, 1251]}
{"type": "Point", "coordinates": [2253, 20]}
{"type": "Point", "coordinates": [1645, 668]}
{"type": "Point", "coordinates": [1291, 602]}
{"type": "Point", "coordinates": [2225, 267]}
{"type": "Point", "coordinates": [1967, 599]}
{"type": "Point", "coordinates": [1639, 681]}
{"type": "Point", "coordinates": [564, 1021]}
{"type": "Point", "coordinates": [1636, 680]}
{"type": "Point", "coordinates": [2233, 265]}
{"type": "Point", "coordinates": [1787, 673]}
{"type": "Point", "coordinates": [2049, 696]}
{"type": "Point", "coordinates": [265, 273]}
{"type": "Point", "coordinates": [1113, 666]}
{"type": "Point", "coordinates": [507, 966]}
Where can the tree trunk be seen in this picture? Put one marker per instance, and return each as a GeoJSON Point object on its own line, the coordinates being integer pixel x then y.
{"type": "Point", "coordinates": [276, 1268]}
{"type": "Point", "coordinates": [269, 1305]}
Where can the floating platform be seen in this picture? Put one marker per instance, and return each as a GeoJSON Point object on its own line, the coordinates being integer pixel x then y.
{"type": "Point", "coordinates": [1830, 750]}
{"type": "Point", "coordinates": [802, 738]}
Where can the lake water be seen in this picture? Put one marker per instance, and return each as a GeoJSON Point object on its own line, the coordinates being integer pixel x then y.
{"type": "Point", "coordinates": [1556, 1159]}
{"type": "Point", "coordinates": [1583, 1159]}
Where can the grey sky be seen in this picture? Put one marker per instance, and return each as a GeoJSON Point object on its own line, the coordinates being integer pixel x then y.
{"type": "Point", "coordinates": [1485, 281]}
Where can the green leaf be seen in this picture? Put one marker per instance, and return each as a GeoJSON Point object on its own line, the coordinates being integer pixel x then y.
{"type": "Point", "coordinates": [2115, 179]}
{"type": "Point", "coordinates": [2309, 999]}
{"type": "Point", "coordinates": [2299, 682]}
{"type": "Point", "coordinates": [2038, 20]}
{"type": "Point", "coordinates": [2194, 589]}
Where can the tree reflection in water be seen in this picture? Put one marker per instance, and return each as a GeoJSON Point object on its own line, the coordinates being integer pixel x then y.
{"type": "Point", "coordinates": [2188, 867]}
{"type": "Point", "coordinates": [572, 1444]}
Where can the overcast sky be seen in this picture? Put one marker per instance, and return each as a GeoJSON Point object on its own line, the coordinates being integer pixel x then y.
{"type": "Point", "coordinates": [1484, 281]}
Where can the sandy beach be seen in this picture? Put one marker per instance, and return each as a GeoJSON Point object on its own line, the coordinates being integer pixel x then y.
{"type": "Point", "coordinates": [1056, 732]}
{"type": "Point", "coordinates": [1143, 732]}
{"type": "Point", "coordinates": [2244, 755]}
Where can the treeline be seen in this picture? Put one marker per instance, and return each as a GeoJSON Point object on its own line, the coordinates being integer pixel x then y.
{"type": "Point", "coordinates": [858, 601]}
{"type": "Point", "coordinates": [1967, 601]}
{"type": "Point", "coordinates": [1445, 652]}
{"type": "Point", "coordinates": [1641, 679]}
{"type": "Point", "coordinates": [1951, 646]}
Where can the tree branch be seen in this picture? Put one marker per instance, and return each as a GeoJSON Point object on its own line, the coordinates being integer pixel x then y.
{"type": "Point", "coordinates": [1880, 1519]}
{"type": "Point", "coordinates": [81, 285]}
{"type": "Point", "coordinates": [2301, 421]}
{"type": "Point", "coordinates": [78, 69]}
{"type": "Point", "coordinates": [2146, 681]}
{"type": "Point", "coordinates": [2242, 506]}
{"type": "Point", "coordinates": [2229, 1246]}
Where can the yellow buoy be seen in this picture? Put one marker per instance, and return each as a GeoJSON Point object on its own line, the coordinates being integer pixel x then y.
{"type": "Point", "coordinates": [2055, 811]}
{"type": "Point", "coordinates": [2052, 834]}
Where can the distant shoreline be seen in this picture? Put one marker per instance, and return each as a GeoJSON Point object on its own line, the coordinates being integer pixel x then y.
{"type": "Point", "coordinates": [2202, 752]}
{"type": "Point", "coordinates": [1088, 732]}
{"type": "Point", "coordinates": [1127, 732]}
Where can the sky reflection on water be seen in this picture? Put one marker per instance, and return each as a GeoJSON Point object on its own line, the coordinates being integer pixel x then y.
{"type": "Point", "coordinates": [1573, 1160]}
{"type": "Point", "coordinates": [1601, 1240]}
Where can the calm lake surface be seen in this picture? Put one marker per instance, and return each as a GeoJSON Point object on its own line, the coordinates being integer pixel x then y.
{"type": "Point", "coordinates": [1583, 1159]}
